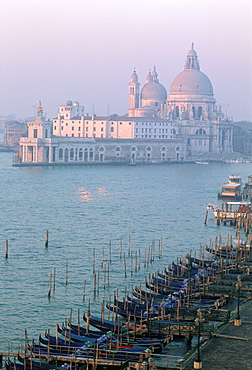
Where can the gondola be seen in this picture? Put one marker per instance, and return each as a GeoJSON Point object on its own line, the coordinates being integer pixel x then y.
{"type": "Point", "coordinates": [205, 263]}
{"type": "Point", "coordinates": [224, 253]}
{"type": "Point", "coordinates": [105, 325]}
{"type": "Point", "coordinates": [117, 341]}
{"type": "Point", "coordinates": [120, 354]}
{"type": "Point", "coordinates": [164, 290]}
{"type": "Point", "coordinates": [33, 363]}
{"type": "Point", "coordinates": [27, 364]}
{"type": "Point", "coordinates": [84, 330]}
{"type": "Point", "coordinates": [145, 295]}
{"type": "Point", "coordinates": [74, 336]}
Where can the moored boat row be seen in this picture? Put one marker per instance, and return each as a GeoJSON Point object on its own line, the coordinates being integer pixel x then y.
{"type": "Point", "coordinates": [144, 322]}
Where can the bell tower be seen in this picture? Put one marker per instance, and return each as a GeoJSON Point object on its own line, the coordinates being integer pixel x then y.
{"type": "Point", "coordinates": [133, 94]}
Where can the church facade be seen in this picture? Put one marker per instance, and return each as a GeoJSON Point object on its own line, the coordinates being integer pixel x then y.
{"type": "Point", "coordinates": [158, 127]}
{"type": "Point", "coordinates": [190, 108]}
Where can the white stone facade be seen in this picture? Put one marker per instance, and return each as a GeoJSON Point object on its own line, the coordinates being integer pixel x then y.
{"type": "Point", "coordinates": [184, 125]}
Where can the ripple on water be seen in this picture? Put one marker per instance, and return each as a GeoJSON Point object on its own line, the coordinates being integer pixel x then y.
{"type": "Point", "coordinates": [146, 202]}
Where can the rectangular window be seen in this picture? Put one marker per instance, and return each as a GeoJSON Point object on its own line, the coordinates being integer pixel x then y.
{"type": "Point", "coordinates": [35, 133]}
{"type": "Point", "coordinates": [62, 127]}
{"type": "Point", "coordinates": [54, 127]}
{"type": "Point", "coordinates": [79, 135]}
{"type": "Point", "coordinates": [66, 124]}
{"type": "Point", "coordinates": [102, 129]}
{"type": "Point", "coordinates": [79, 128]}
{"type": "Point", "coordinates": [112, 129]}
{"type": "Point", "coordinates": [86, 128]}
{"type": "Point", "coordinates": [72, 127]}
{"type": "Point", "coordinates": [101, 135]}
{"type": "Point", "coordinates": [72, 135]}
{"type": "Point", "coordinates": [66, 135]}
{"type": "Point", "coordinates": [94, 128]}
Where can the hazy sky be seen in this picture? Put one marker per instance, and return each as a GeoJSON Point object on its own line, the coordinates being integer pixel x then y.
{"type": "Point", "coordinates": [86, 50]}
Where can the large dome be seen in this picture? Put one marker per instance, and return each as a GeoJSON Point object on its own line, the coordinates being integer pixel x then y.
{"type": "Point", "coordinates": [192, 81]}
{"type": "Point", "coordinates": [154, 90]}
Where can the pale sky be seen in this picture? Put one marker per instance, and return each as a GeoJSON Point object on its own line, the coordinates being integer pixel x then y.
{"type": "Point", "coordinates": [86, 50]}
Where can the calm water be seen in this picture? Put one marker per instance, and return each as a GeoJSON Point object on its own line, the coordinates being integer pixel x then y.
{"type": "Point", "coordinates": [85, 208]}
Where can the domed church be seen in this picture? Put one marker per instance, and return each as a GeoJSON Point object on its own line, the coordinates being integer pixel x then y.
{"type": "Point", "coordinates": [190, 108]}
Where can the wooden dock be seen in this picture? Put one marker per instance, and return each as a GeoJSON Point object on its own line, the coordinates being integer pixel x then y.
{"type": "Point", "coordinates": [230, 348]}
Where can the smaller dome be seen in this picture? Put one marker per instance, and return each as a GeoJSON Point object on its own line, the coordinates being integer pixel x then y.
{"type": "Point", "coordinates": [134, 77]}
{"type": "Point", "coordinates": [154, 90]}
{"type": "Point", "coordinates": [192, 53]}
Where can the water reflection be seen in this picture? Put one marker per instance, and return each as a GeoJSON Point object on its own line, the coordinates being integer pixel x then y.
{"type": "Point", "coordinates": [102, 191]}
{"type": "Point", "coordinates": [85, 195]}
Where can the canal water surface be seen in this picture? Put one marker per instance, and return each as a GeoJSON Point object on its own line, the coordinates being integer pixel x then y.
{"type": "Point", "coordinates": [86, 209]}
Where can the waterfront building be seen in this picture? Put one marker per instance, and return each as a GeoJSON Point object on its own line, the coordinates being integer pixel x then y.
{"type": "Point", "coordinates": [190, 108]}
{"type": "Point", "coordinates": [13, 130]}
{"type": "Point", "coordinates": [184, 125]}
{"type": "Point", "coordinates": [68, 124]}
{"type": "Point", "coordinates": [41, 147]}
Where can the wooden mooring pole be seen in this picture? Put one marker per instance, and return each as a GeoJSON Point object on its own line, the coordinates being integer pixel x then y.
{"type": "Point", "coordinates": [6, 249]}
{"type": "Point", "coordinates": [47, 239]}
{"type": "Point", "coordinates": [121, 247]}
{"type": "Point", "coordinates": [50, 286]}
{"type": "Point", "coordinates": [206, 215]}
{"type": "Point", "coordinates": [66, 272]}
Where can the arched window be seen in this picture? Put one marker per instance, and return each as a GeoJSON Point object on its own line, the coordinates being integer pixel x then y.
{"type": "Point", "coordinates": [173, 131]}
{"type": "Point", "coordinates": [60, 153]}
{"type": "Point", "coordinates": [193, 110]}
{"type": "Point", "coordinates": [66, 155]}
{"type": "Point", "coordinates": [80, 154]}
{"type": "Point", "coordinates": [86, 154]}
{"type": "Point", "coordinates": [118, 151]}
{"type": "Point", "coordinates": [148, 149]}
{"type": "Point", "coordinates": [200, 112]}
{"type": "Point", "coordinates": [101, 149]}
{"type": "Point", "coordinates": [200, 131]}
{"type": "Point", "coordinates": [71, 154]}
{"type": "Point", "coordinates": [163, 149]}
{"type": "Point", "coordinates": [91, 154]}
{"type": "Point", "coordinates": [133, 149]}
{"type": "Point", "coordinates": [177, 111]}
{"type": "Point", "coordinates": [177, 149]}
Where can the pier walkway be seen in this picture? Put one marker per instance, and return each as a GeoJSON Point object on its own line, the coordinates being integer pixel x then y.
{"type": "Point", "coordinates": [224, 352]}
